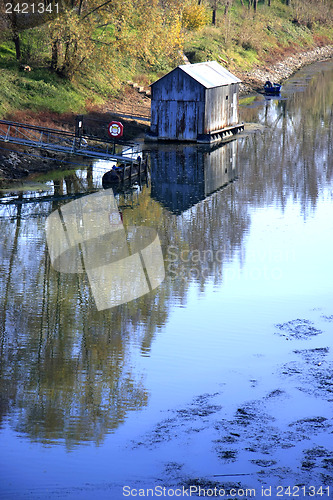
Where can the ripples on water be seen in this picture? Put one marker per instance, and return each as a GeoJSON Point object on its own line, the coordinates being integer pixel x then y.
{"type": "Point", "coordinates": [93, 399]}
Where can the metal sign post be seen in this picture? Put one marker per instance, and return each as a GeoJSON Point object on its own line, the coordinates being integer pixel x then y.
{"type": "Point", "coordinates": [78, 131]}
{"type": "Point", "coordinates": [115, 130]}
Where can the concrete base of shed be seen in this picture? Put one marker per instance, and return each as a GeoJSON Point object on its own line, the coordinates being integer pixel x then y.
{"type": "Point", "coordinates": [151, 137]}
{"type": "Point", "coordinates": [223, 135]}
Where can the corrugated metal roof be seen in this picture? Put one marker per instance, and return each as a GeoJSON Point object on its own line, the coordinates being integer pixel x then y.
{"type": "Point", "coordinates": [210, 74]}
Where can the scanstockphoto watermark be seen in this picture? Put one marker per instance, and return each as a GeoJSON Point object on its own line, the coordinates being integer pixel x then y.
{"type": "Point", "coordinates": [279, 491]}
{"type": "Point", "coordinates": [188, 491]}
{"type": "Point", "coordinates": [264, 264]}
{"type": "Point", "coordinates": [88, 236]}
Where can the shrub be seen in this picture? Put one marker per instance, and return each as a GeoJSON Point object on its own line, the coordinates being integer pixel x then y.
{"type": "Point", "coordinates": [194, 16]}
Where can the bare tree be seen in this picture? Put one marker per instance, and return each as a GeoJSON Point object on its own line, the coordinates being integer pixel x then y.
{"type": "Point", "coordinates": [215, 3]}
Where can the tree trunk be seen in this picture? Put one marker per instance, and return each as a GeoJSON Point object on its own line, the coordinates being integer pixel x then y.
{"type": "Point", "coordinates": [55, 54]}
{"type": "Point", "coordinates": [80, 7]}
{"type": "Point", "coordinates": [16, 36]}
{"type": "Point", "coordinates": [69, 66]}
{"type": "Point", "coordinates": [16, 40]}
{"type": "Point", "coordinates": [214, 17]}
{"type": "Point", "coordinates": [226, 8]}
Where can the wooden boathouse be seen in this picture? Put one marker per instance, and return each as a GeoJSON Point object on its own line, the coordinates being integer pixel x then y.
{"type": "Point", "coordinates": [195, 102]}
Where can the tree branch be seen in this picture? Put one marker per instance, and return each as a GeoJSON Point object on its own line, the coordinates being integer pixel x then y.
{"type": "Point", "coordinates": [97, 8]}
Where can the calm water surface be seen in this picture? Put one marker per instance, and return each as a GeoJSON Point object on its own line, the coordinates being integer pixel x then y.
{"type": "Point", "coordinates": [147, 393]}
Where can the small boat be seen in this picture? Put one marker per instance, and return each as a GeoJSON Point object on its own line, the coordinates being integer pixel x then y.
{"type": "Point", "coordinates": [125, 172]}
{"type": "Point", "coordinates": [272, 88]}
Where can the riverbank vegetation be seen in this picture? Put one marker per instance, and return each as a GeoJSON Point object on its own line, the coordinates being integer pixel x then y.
{"type": "Point", "coordinates": [77, 54]}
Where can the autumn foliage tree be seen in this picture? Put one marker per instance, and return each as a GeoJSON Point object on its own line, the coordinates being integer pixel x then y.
{"type": "Point", "coordinates": [95, 30]}
{"type": "Point", "coordinates": [194, 16]}
{"type": "Point", "coordinates": [17, 17]}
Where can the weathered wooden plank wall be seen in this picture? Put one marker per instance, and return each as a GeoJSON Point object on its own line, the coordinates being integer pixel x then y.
{"type": "Point", "coordinates": [183, 107]}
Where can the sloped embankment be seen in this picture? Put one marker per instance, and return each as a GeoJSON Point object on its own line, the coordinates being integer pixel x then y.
{"type": "Point", "coordinates": [283, 69]}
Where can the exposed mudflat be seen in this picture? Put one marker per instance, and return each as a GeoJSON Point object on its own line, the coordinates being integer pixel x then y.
{"type": "Point", "coordinates": [276, 438]}
{"type": "Point", "coordinates": [16, 163]}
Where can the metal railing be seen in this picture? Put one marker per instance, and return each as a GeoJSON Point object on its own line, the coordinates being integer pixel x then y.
{"type": "Point", "coordinates": [66, 142]}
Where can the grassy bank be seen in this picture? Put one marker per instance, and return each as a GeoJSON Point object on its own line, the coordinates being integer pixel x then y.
{"type": "Point", "coordinates": [241, 39]}
{"type": "Point", "coordinates": [43, 90]}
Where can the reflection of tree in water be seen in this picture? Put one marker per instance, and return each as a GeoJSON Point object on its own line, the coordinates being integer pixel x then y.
{"type": "Point", "coordinates": [205, 219]}
{"type": "Point", "coordinates": [292, 158]}
{"type": "Point", "coordinates": [65, 367]}
{"type": "Point", "coordinates": [67, 370]}
{"type": "Point", "coordinates": [208, 235]}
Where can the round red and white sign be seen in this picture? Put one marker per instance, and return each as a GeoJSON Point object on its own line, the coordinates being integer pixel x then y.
{"type": "Point", "coordinates": [115, 129]}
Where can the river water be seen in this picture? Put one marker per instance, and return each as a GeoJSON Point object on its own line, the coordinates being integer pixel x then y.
{"type": "Point", "coordinates": [221, 376]}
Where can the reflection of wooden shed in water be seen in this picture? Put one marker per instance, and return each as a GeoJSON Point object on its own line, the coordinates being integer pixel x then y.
{"type": "Point", "coordinates": [195, 102]}
{"type": "Point", "coordinates": [182, 176]}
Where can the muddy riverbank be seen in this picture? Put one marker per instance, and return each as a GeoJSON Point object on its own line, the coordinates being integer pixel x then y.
{"type": "Point", "coordinates": [17, 163]}
{"type": "Point", "coordinates": [254, 80]}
